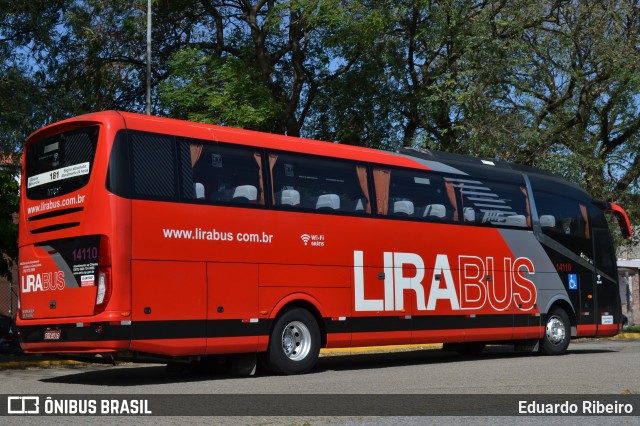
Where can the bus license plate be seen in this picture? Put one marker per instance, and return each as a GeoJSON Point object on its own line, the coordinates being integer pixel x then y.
{"type": "Point", "coordinates": [52, 335]}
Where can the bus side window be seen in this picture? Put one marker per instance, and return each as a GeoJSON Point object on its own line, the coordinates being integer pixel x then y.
{"type": "Point", "coordinates": [153, 161]}
{"type": "Point", "coordinates": [219, 173]}
{"type": "Point", "coordinates": [319, 184]}
{"type": "Point", "coordinates": [490, 203]}
{"type": "Point", "coordinates": [414, 194]}
{"type": "Point", "coordinates": [565, 220]}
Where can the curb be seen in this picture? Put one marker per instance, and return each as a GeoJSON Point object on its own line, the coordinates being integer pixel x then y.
{"type": "Point", "coordinates": [414, 347]}
{"type": "Point", "coordinates": [378, 349]}
{"type": "Point", "coordinates": [626, 336]}
{"type": "Point", "coordinates": [10, 365]}
{"type": "Point", "coordinates": [47, 363]}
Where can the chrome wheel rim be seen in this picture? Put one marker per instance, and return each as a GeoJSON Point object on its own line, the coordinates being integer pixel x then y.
{"type": "Point", "coordinates": [296, 341]}
{"type": "Point", "coordinates": [555, 330]}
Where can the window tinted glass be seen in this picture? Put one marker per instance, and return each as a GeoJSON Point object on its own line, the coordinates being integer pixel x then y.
{"type": "Point", "coordinates": [565, 220]}
{"type": "Point", "coordinates": [604, 256]}
{"type": "Point", "coordinates": [61, 163]}
{"type": "Point", "coordinates": [153, 158]}
{"type": "Point", "coordinates": [118, 173]}
{"type": "Point", "coordinates": [221, 173]}
{"type": "Point", "coordinates": [414, 193]}
{"type": "Point", "coordinates": [493, 203]}
{"type": "Point", "coordinates": [319, 184]}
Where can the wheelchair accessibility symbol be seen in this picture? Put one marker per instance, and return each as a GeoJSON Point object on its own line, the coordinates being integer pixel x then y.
{"type": "Point", "coordinates": [573, 281]}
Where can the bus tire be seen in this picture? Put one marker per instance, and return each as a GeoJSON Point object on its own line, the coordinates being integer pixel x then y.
{"type": "Point", "coordinates": [557, 333]}
{"type": "Point", "coordinates": [294, 344]}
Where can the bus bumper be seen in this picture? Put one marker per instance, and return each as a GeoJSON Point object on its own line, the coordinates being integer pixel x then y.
{"type": "Point", "coordinates": [80, 337]}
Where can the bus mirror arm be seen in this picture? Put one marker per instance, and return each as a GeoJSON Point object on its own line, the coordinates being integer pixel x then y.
{"type": "Point", "coordinates": [623, 219]}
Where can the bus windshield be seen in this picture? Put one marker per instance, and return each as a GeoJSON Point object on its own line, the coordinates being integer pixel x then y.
{"type": "Point", "coordinates": [61, 163]}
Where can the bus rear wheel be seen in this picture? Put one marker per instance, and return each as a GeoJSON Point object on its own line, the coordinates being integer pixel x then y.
{"type": "Point", "coordinates": [557, 333]}
{"type": "Point", "coordinates": [294, 344]}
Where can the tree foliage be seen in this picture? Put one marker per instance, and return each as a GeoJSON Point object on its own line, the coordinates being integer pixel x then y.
{"type": "Point", "coordinates": [268, 60]}
{"type": "Point", "coordinates": [219, 91]}
{"type": "Point", "coordinates": [8, 229]}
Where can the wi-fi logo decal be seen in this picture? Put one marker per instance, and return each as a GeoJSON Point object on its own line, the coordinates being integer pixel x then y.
{"type": "Point", "coordinates": [305, 238]}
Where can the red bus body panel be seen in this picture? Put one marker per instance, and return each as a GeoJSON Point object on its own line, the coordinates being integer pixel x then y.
{"type": "Point", "coordinates": [191, 280]}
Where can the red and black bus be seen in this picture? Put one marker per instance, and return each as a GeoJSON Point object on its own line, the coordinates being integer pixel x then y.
{"type": "Point", "coordinates": [144, 238]}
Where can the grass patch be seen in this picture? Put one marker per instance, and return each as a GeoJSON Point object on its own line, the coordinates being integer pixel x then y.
{"type": "Point", "coordinates": [632, 329]}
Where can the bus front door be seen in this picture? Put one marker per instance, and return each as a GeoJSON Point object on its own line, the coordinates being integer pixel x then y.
{"type": "Point", "coordinates": [607, 295]}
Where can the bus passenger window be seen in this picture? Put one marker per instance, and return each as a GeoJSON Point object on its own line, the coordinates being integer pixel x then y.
{"type": "Point", "coordinates": [153, 161]}
{"type": "Point", "coordinates": [321, 184]}
{"type": "Point", "coordinates": [416, 194]}
{"type": "Point", "coordinates": [221, 173]}
{"type": "Point", "coordinates": [491, 203]}
{"type": "Point", "coordinates": [565, 220]}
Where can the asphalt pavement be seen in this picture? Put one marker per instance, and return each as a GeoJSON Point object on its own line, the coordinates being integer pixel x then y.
{"type": "Point", "coordinates": [18, 361]}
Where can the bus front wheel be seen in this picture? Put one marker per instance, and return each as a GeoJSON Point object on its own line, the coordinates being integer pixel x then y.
{"type": "Point", "coordinates": [294, 344]}
{"type": "Point", "coordinates": [557, 333]}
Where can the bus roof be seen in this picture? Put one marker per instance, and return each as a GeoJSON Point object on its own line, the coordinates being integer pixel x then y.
{"type": "Point", "coordinates": [403, 157]}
